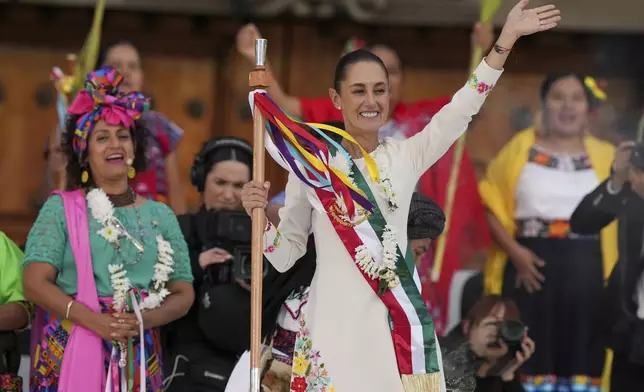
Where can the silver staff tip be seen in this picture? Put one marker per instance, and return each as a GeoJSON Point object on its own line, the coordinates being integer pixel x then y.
{"type": "Point", "coordinates": [260, 52]}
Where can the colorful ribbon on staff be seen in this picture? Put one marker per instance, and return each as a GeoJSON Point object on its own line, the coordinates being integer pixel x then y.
{"type": "Point", "coordinates": [100, 100]}
{"type": "Point", "coordinates": [309, 157]}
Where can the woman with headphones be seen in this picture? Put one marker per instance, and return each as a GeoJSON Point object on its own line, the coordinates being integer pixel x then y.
{"type": "Point", "coordinates": [203, 347]}
{"type": "Point", "coordinates": [219, 171]}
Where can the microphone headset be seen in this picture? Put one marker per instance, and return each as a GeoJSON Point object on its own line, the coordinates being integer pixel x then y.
{"type": "Point", "coordinates": [199, 171]}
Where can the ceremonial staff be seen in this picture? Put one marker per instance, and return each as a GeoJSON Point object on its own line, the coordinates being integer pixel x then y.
{"type": "Point", "coordinates": [257, 79]}
{"type": "Point", "coordinates": [488, 10]}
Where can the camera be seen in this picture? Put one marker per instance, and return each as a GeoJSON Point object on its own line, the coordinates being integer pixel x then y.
{"type": "Point", "coordinates": [511, 332]}
{"type": "Point", "coordinates": [637, 156]}
{"type": "Point", "coordinates": [231, 231]}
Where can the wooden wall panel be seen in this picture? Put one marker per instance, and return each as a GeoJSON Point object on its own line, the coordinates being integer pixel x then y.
{"type": "Point", "coordinates": [24, 129]}
{"type": "Point", "coordinates": [173, 82]}
{"type": "Point", "coordinates": [313, 56]}
{"type": "Point", "coordinates": [25, 126]}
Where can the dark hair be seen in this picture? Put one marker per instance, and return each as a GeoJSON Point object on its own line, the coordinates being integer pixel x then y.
{"type": "Point", "coordinates": [373, 47]}
{"type": "Point", "coordinates": [357, 56]}
{"type": "Point", "coordinates": [76, 165]}
{"type": "Point", "coordinates": [228, 154]}
{"type": "Point", "coordinates": [553, 78]}
{"type": "Point", "coordinates": [214, 151]}
{"type": "Point", "coordinates": [102, 54]}
{"type": "Point", "coordinates": [486, 304]}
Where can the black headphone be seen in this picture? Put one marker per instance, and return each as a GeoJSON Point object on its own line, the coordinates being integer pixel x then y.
{"type": "Point", "coordinates": [199, 171]}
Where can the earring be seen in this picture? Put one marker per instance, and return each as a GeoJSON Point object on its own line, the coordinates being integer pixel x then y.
{"type": "Point", "coordinates": [84, 176]}
{"type": "Point", "coordinates": [131, 172]}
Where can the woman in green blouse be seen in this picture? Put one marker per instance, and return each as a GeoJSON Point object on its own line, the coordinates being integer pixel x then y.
{"type": "Point", "coordinates": [105, 266]}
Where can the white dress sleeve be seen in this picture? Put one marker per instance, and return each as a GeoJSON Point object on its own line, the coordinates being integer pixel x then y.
{"type": "Point", "coordinates": [284, 245]}
{"type": "Point", "coordinates": [427, 146]}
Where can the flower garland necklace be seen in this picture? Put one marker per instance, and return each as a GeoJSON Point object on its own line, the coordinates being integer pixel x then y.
{"type": "Point", "coordinates": [102, 210]}
{"type": "Point", "coordinates": [384, 272]}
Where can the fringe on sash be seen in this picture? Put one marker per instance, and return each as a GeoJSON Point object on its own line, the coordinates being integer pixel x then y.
{"type": "Point", "coordinates": [427, 382]}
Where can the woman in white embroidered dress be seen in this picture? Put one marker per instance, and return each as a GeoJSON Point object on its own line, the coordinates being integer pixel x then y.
{"type": "Point", "coordinates": [345, 343]}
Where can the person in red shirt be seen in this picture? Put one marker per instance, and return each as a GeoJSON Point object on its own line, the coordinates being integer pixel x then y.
{"type": "Point", "coordinates": [468, 231]}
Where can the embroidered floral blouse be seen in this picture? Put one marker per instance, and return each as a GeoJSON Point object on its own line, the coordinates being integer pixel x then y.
{"type": "Point", "coordinates": [47, 242]}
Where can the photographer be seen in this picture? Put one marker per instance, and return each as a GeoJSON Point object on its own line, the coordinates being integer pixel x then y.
{"type": "Point", "coordinates": [622, 197]}
{"type": "Point", "coordinates": [203, 347]}
{"type": "Point", "coordinates": [490, 342]}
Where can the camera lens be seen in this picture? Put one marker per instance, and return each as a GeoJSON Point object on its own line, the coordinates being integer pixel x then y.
{"type": "Point", "coordinates": [511, 331]}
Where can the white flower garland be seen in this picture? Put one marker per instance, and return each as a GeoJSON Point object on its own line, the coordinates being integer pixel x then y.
{"type": "Point", "coordinates": [102, 210]}
{"type": "Point", "coordinates": [386, 271]}
{"type": "Point", "coordinates": [385, 186]}
{"type": "Point", "coordinates": [339, 162]}
{"type": "Point", "coordinates": [162, 270]}
{"type": "Point", "coordinates": [121, 285]}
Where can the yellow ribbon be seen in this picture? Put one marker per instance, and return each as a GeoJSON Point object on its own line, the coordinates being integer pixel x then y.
{"type": "Point", "coordinates": [592, 85]}
{"type": "Point", "coordinates": [315, 161]}
{"type": "Point", "coordinates": [371, 163]}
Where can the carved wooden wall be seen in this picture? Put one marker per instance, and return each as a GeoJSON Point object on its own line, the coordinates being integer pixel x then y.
{"type": "Point", "coordinates": [184, 90]}
{"type": "Point", "coordinates": [24, 129]}
{"type": "Point", "coordinates": [197, 79]}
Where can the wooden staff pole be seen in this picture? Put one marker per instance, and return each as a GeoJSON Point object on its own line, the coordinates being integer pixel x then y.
{"type": "Point", "coordinates": [257, 80]}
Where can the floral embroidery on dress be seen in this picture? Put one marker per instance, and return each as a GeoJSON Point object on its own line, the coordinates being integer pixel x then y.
{"type": "Point", "coordinates": [10, 383]}
{"type": "Point", "coordinates": [561, 162]}
{"type": "Point", "coordinates": [309, 372]}
{"type": "Point", "coordinates": [276, 242]}
{"type": "Point", "coordinates": [480, 87]}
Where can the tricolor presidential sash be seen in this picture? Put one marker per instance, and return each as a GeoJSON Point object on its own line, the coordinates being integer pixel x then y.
{"type": "Point", "coordinates": [293, 147]}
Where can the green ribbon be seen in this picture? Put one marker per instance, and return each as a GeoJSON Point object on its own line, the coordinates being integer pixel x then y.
{"type": "Point", "coordinates": [130, 345]}
{"type": "Point", "coordinates": [405, 267]}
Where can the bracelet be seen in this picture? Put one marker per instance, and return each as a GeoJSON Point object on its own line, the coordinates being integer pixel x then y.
{"type": "Point", "coordinates": [500, 49]}
{"type": "Point", "coordinates": [268, 225]}
{"type": "Point", "coordinates": [69, 307]}
{"type": "Point", "coordinates": [609, 188]}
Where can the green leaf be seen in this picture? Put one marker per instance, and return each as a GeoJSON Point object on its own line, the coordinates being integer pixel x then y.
{"type": "Point", "coordinates": [382, 287]}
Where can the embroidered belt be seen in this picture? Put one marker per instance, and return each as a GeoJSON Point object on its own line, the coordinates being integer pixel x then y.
{"type": "Point", "coordinates": [544, 228]}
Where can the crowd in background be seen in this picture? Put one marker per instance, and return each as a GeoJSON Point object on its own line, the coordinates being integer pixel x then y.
{"type": "Point", "coordinates": [544, 215]}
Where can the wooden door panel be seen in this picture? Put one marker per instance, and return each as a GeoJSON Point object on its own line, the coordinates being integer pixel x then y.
{"type": "Point", "coordinates": [175, 83]}
{"type": "Point", "coordinates": [24, 124]}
